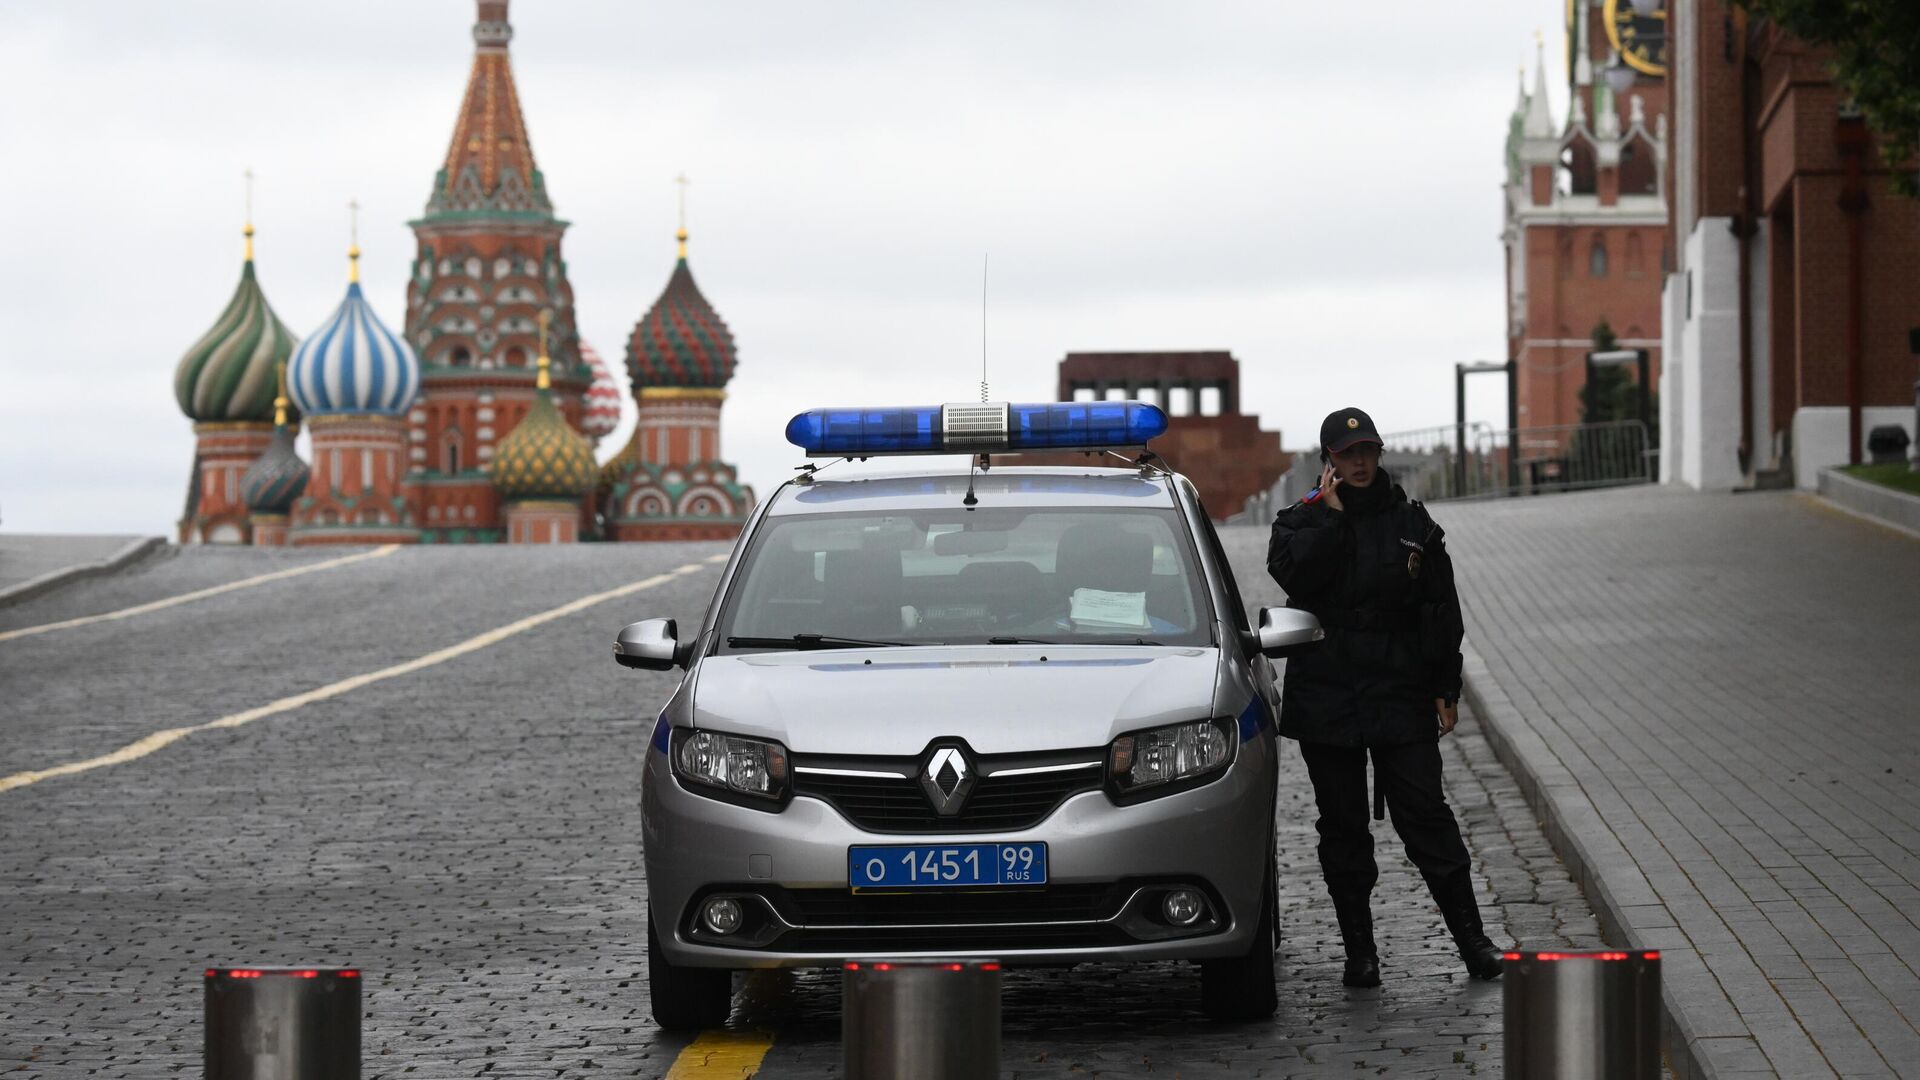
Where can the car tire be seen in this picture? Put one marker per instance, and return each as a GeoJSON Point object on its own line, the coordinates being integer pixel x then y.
{"type": "Point", "coordinates": [1245, 987]}
{"type": "Point", "coordinates": [685, 998]}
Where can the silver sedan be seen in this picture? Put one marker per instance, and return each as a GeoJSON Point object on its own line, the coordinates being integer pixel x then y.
{"type": "Point", "coordinates": [1021, 715]}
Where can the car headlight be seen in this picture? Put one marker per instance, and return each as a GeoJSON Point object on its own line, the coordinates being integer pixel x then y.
{"type": "Point", "coordinates": [724, 765]}
{"type": "Point", "coordinates": [1158, 760]}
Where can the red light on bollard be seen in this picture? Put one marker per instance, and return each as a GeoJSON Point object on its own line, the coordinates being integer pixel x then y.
{"type": "Point", "coordinates": [282, 1023]}
{"type": "Point", "coordinates": [1566, 1019]}
{"type": "Point", "coordinates": [926, 1019]}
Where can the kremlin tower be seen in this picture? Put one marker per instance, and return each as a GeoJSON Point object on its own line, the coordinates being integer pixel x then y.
{"type": "Point", "coordinates": [669, 482]}
{"type": "Point", "coordinates": [488, 263]}
{"type": "Point", "coordinates": [355, 380]}
{"type": "Point", "coordinates": [225, 385]}
{"type": "Point", "coordinates": [543, 467]}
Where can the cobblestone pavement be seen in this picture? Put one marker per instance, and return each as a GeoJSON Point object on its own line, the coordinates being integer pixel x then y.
{"type": "Point", "coordinates": [1717, 696]}
{"type": "Point", "coordinates": [468, 834]}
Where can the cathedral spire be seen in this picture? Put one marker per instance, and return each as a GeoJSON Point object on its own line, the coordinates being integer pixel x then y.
{"type": "Point", "coordinates": [1539, 111]}
{"type": "Point", "coordinates": [489, 168]}
{"type": "Point", "coordinates": [491, 30]}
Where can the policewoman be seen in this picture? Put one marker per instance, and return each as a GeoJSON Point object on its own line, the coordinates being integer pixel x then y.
{"type": "Point", "coordinates": [1371, 564]}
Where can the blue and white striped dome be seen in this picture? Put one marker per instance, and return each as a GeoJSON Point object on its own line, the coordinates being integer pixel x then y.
{"type": "Point", "coordinates": [353, 364]}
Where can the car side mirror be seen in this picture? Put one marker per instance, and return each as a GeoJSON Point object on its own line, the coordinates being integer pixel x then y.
{"type": "Point", "coordinates": [653, 644]}
{"type": "Point", "coordinates": [1285, 631]}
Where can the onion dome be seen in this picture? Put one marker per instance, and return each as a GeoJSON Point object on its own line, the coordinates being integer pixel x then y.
{"type": "Point", "coordinates": [277, 476]}
{"type": "Point", "coordinates": [228, 374]}
{"type": "Point", "coordinates": [603, 397]}
{"type": "Point", "coordinates": [353, 363]}
{"type": "Point", "coordinates": [681, 341]}
{"type": "Point", "coordinates": [543, 457]}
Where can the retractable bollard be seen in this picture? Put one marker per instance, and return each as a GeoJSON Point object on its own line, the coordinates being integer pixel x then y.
{"type": "Point", "coordinates": [283, 1024]}
{"type": "Point", "coordinates": [930, 1020]}
{"type": "Point", "coordinates": [1582, 1015]}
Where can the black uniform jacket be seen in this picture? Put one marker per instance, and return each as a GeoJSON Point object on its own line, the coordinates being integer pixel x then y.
{"type": "Point", "coordinates": [1378, 577]}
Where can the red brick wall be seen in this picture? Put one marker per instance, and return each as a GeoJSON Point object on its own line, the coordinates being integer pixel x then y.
{"type": "Point", "coordinates": [1565, 302]}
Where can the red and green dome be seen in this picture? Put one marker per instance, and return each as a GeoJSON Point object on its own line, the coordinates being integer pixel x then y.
{"type": "Point", "coordinates": [681, 341]}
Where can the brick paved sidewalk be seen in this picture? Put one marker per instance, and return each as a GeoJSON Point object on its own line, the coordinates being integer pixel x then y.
{"type": "Point", "coordinates": [1713, 701]}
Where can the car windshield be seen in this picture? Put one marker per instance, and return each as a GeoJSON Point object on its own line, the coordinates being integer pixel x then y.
{"type": "Point", "coordinates": [991, 575]}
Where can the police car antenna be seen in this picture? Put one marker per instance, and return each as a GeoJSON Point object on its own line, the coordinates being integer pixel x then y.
{"type": "Point", "coordinates": [983, 326]}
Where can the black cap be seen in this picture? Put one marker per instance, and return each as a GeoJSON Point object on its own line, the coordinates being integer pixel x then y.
{"type": "Point", "coordinates": [1346, 427]}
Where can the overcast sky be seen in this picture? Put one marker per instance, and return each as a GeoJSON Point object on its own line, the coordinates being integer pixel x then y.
{"type": "Point", "coordinates": [1316, 190]}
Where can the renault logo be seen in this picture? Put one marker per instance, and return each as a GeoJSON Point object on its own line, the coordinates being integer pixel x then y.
{"type": "Point", "coordinates": [947, 778]}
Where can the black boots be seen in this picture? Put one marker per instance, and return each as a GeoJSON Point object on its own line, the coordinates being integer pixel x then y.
{"type": "Point", "coordinates": [1454, 894]}
{"type": "Point", "coordinates": [1356, 933]}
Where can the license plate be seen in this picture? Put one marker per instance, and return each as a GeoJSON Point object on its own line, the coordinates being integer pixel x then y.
{"type": "Point", "coordinates": [925, 866]}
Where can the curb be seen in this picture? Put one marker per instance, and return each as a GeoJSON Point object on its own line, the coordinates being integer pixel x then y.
{"type": "Point", "coordinates": [1874, 502]}
{"type": "Point", "coordinates": [53, 579]}
{"type": "Point", "coordinates": [1595, 857]}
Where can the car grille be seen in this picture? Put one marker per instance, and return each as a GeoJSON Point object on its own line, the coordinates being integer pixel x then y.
{"type": "Point", "coordinates": [896, 804]}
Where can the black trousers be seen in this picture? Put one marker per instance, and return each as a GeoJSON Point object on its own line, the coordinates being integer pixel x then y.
{"type": "Point", "coordinates": [1409, 777]}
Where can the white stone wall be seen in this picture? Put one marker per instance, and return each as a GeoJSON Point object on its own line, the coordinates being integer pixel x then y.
{"type": "Point", "coordinates": [1820, 437]}
{"type": "Point", "coordinates": [1673, 361]}
{"type": "Point", "coordinates": [1700, 393]}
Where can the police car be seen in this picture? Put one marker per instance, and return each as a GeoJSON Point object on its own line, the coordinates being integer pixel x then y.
{"type": "Point", "coordinates": [1005, 712]}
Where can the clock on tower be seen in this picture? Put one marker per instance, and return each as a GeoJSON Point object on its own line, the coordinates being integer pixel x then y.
{"type": "Point", "coordinates": [1640, 39]}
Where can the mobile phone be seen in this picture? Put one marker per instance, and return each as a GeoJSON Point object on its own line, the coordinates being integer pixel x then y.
{"type": "Point", "coordinates": [1314, 495]}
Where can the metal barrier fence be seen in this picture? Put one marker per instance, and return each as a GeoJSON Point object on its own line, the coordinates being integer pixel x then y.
{"type": "Point", "coordinates": [1467, 461]}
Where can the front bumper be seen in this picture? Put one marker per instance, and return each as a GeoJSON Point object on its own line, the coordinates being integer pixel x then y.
{"type": "Point", "coordinates": [1108, 867]}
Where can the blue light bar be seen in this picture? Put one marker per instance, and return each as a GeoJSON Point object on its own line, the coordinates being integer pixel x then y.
{"type": "Point", "coordinates": [972, 428]}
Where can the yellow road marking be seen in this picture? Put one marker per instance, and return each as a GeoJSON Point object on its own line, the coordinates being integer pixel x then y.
{"type": "Point", "coordinates": [198, 594]}
{"type": "Point", "coordinates": [161, 739]}
{"type": "Point", "coordinates": [721, 1055]}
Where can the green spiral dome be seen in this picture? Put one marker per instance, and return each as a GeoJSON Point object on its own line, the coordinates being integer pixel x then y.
{"type": "Point", "coordinates": [229, 374]}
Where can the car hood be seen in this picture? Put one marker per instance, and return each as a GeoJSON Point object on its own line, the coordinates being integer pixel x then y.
{"type": "Point", "coordinates": [1000, 699]}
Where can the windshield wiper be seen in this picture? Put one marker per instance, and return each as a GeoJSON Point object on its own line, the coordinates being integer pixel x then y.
{"type": "Point", "coordinates": [809, 641]}
{"type": "Point", "coordinates": [1049, 641]}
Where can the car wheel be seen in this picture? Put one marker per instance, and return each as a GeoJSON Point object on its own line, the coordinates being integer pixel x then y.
{"type": "Point", "coordinates": [1243, 987]}
{"type": "Point", "coordinates": [685, 998]}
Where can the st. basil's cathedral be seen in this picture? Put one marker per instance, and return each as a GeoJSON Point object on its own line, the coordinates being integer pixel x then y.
{"type": "Point", "coordinates": [477, 423]}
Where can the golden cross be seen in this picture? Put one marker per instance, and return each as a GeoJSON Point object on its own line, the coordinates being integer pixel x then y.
{"type": "Point", "coordinates": [353, 228]}
{"type": "Point", "coordinates": [683, 182]}
{"type": "Point", "coordinates": [542, 380]}
{"type": "Point", "coordinates": [247, 228]}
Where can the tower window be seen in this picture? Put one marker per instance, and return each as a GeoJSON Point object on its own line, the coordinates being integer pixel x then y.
{"type": "Point", "coordinates": [1597, 259]}
{"type": "Point", "coordinates": [460, 357]}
